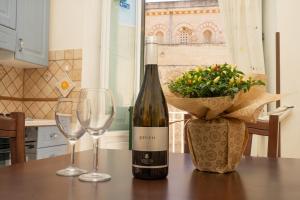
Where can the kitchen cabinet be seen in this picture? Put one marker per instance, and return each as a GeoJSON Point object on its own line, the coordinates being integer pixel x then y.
{"type": "Point", "coordinates": [8, 9]}
{"type": "Point", "coordinates": [7, 39]}
{"type": "Point", "coordinates": [32, 31]}
{"type": "Point", "coordinates": [44, 142]}
{"type": "Point", "coordinates": [25, 44]}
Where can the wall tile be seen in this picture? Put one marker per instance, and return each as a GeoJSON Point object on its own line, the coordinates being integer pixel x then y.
{"type": "Point", "coordinates": [77, 85]}
{"type": "Point", "coordinates": [77, 53]}
{"type": "Point", "coordinates": [12, 90]}
{"type": "Point", "coordinates": [11, 82]}
{"type": "Point", "coordinates": [51, 55]}
{"type": "Point", "coordinates": [53, 67]}
{"type": "Point", "coordinates": [77, 64]}
{"type": "Point", "coordinates": [39, 83]}
{"type": "Point", "coordinates": [7, 106]}
{"type": "Point", "coordinates": [76, 75]}
{"type": "Point", "coordinates": [46, 84]}
{"type": "Point", "coordinates": [2, 72]}
{"type": "Point", "coordinates": [47, 76]}
{"type": "Point", "coordinates": [69, 54]}
{"type": "Point", "coordinates": [59, 55]}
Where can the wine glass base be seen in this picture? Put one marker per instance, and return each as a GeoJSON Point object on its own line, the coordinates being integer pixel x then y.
{"type": "Point", "coordinates": [94, 177]}
{"type": "Point", "coordinates": [71, 171]}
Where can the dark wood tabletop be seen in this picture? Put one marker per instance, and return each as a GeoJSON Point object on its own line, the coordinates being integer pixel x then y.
{"type": "Point", "coordinates": [255, 179]}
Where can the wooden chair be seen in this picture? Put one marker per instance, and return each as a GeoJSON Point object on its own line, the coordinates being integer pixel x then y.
{"type": "Point", "coordinates": [13, 126]}
{"type": "Point", "coordinates": [268, 126]}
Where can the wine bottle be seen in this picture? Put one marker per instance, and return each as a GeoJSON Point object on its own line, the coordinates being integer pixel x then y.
{"type": "Point", "coordinates": [150, 143]}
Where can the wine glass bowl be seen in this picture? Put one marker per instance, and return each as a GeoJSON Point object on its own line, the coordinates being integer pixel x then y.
{"type": "Point", "coordinates": [72, 131]}
{"type": "Point", "coordinates": [69, 126]}
{"type": "Point", "coordinates": [95, 112]}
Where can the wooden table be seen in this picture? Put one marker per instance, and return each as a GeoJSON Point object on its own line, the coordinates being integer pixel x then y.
{"type": "Point", "coordinates": [255, 179]}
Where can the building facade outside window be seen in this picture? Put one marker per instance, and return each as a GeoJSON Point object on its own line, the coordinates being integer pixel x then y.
{"type": "Point", "coordinates": [190, 33]}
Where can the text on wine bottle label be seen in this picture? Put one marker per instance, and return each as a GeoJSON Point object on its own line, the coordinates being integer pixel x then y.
{"type": "Point", "coordinates": [150, 138]}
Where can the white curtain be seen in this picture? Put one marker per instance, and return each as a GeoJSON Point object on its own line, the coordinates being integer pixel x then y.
{"type": "Point", "coordinates": [243, 30]}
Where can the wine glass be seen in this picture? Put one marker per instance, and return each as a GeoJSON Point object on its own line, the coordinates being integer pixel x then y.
{"type": "Point", "coordinates": [95, 112]}
{"type": "Point", "coordinates": [67, 123]}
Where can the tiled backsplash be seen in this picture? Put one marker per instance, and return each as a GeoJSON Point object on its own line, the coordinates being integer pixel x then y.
{"type": "Point", "coordinates": [39, 109]}
{"type": "Point", "coordinates": [11, 81]}
{"type": "Point", "coordinates": [11, 85]}
{"type": "Point", "coordinates": [7, 106]}
{"type": "Point", "coordinates": [33, 90]}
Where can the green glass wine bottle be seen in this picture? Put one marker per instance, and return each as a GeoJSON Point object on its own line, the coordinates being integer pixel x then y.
{"type": "Point", "coordinates": [150, 140]}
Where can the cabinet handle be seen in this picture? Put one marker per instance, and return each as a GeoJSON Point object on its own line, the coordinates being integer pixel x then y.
{"type": "Point", "coordinates": [53, 135]}
{"type": "Point", "coordinates": [21, 42]}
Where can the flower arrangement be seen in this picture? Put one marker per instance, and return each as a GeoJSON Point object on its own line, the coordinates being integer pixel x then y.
{"type": "Point", "coordinates": [220, 99]}
{"type": "Point", "coordinates": [212, 81]}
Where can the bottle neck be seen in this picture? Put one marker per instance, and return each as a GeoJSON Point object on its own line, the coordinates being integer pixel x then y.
{"type": "Point", "coordinates": [151, 75]}
{"type": "Point", "coordinates": [151, 54]}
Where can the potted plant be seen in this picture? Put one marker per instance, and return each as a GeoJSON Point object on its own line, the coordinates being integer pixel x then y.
{"type": "Point", "coordinates": [221, 99]}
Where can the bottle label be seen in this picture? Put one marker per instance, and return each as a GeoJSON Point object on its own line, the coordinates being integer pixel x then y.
{"type": "Point", "coordinates": [150, 138]}
{"type": "Point", "coordinates": [150, 159]}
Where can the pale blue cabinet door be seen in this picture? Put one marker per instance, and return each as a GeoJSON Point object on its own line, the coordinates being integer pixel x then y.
{"type": "Point", "coordinates": [7, 38]}
{"type": "Point", "coordinates": [8, 10]}
{"type": "Point", "coordinates": [32, 31]}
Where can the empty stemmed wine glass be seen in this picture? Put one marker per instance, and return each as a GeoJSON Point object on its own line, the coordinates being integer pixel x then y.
{"type": "Point", "coordinates": [67, 122]}
{"type": "Point", "coordinates": [95, 112]}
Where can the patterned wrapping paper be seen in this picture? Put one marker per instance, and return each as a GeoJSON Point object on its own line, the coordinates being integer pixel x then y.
{"type": "Point", "coordinates": [218, 135]}
{"type": "Point", "coordinates": [216, 145]}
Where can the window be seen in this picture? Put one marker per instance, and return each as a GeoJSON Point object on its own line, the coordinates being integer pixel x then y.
{"type": "Point", "coordinates": [184, 35]}
{"type": "Point", "coordinates": [160, 37]}
{"type": "Point", "coordinates": [207, 36]}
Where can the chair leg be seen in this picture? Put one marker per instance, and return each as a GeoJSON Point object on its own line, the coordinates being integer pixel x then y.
{"type": "Point", "coordinates": [186, 145]}
{"type": "Point", "coordinates": [279, 141]}
{"type": "Point", "coordinates": [13, 150]}
{"type": "Point", "coordinates": [273, 143]}
{"type": "Point", "coordinates": [20, 136]}
{"type": "Point", "coordinates": [247, 151]}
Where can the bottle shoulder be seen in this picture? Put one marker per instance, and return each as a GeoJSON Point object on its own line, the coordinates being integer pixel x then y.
{"type": "Point", "coordinates": [151, 113]}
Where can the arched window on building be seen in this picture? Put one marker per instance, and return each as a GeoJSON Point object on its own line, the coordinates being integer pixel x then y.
{"type": "Point", "coordinates": [184, 35]}
{"type": "Point", "coordinates": [207, 36]}
{"type": "Point", "coordinates": [160, 37]}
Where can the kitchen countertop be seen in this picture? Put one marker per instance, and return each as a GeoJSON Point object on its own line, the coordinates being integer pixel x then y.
{"type": "Point", "coordinates": [39, 122]}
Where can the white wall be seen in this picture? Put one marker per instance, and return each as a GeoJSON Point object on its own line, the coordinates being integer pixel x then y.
{"type": "Point", "coordinates": [66, 24]}
{"type": "Point", "coordinates": [282, 16]}
{"type": "Point", "coordinates": [91, 53]}
{"type": "Point", "coordinates": [91, 43]}
{"type": "Point", "coordinates": [75, 24]}
{"type": "Point", "coordinates": [289, 28]}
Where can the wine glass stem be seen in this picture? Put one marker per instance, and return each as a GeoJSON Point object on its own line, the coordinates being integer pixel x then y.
{"type": "Point", "coordinates": [72, 144]}
{"type": "Point", "coordinates": [96, 151]}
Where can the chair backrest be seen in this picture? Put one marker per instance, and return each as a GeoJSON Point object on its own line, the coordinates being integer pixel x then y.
{"type": "Point", "coordinates": [271, 129]}
{"type": "Point", "coordinates": [12, 126]}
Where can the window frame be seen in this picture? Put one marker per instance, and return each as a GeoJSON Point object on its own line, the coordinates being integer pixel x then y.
{"type": "Point", "coordinates": [105, 43]}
